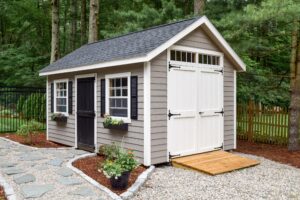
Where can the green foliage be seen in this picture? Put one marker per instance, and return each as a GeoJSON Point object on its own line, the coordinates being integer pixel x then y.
{"type": "Point", "coordinates": [117, 160]}
{"type": "Point", "coordinates": [35, 107]}
{"type": "Point", "coordinates": [28, 130]}
{"type": "Point", "coordinates": [110, 121]}
{"type": "Point", "coordinates": [8, 113]}
{"type": "Point", "coordinates": [111, 152]}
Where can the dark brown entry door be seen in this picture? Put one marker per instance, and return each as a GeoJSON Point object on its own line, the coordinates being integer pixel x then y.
{"type": "Point", "coordinates": [85, 114]}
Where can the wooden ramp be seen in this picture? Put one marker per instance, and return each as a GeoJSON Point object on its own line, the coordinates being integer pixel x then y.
{"type": "Point", "coordinates": [213, 163]}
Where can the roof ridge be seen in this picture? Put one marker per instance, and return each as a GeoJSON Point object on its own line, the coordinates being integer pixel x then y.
{"type": "Point", "coordinates": [146, 29]}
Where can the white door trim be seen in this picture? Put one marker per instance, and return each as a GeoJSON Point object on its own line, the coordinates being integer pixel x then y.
{"type": "Point", "coordinates": [95, 107]}
{"type": "Point", "coordinates": [47, 107]}
{"type": "Point", "coordinates": [234, 109]}
{"type": "Point", "coordinates": [147, 113]}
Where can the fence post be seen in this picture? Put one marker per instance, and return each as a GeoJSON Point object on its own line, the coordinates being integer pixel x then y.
{"type": "Point", "coordinates": [250, 120]}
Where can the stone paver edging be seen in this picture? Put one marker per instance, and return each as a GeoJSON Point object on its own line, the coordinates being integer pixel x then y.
{"type": "Point", "coordinates": [126, 195]}
{"type": "Point", "coordinates": [8, 190]}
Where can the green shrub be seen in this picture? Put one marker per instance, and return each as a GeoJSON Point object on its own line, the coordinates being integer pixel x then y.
{"type": "Point", "coordinates": [29, 130]}
{"type": "Point", "coordinates": [20, 103]}
{"type": "Point", "coordinates": [7, 112]}
{"type": "Point", "coordinates": [118, 161]}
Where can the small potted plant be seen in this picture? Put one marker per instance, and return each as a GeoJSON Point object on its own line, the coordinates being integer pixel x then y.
{"type": "Point", "coordinates": [59, 117]}
{"type": "Point", "coordinates": [111, 123]}
{"type": "Point", "coordinates": [118, 165]}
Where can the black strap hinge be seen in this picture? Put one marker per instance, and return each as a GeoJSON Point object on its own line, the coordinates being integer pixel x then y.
{"type": "Point", "coordinates": [172, 66]}
{"type": "Point", "coordinates": [221, 112]}
{"type": "Point", "coordinates": [171, 114]}
{"type": "Point", "coordinates": [220, 70]}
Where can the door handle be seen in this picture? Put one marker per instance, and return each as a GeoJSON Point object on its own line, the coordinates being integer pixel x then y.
{"type": "Point", "coordinates": [171, 114]}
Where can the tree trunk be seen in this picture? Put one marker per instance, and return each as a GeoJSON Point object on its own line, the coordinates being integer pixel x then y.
{"type": "Point", "coordinates": [55, 31]}
{"type": "Point", "coordinates": [93, 21]}
{"type": "Point", "coordinates": [73, 24]}
{"type": "Point", "coordinates": [199, 7]}
{"type": "Point", "coordinates": [294, 114]}
{"type": "Point", "coordinates": [66, 7]}
{"type": "Point", "coordinates": [83, 22]}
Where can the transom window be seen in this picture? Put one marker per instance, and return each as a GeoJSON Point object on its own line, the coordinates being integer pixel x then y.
{"type": "Point", "coordinates": [118, 95]}
{"type": "Point", "coordinates": [209, 59]}
{"type": "Point", "coordinates": [183, 56]}
{"type": "Point", "coordinates": [190, 57]}
{"type": "Point", "coordinates": [61, 96]}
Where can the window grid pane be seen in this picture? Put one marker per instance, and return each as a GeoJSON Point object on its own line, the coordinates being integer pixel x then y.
{"type": "Point", "coordinates": [61, 97]}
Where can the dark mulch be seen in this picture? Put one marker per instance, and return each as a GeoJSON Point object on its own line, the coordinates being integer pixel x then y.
{"type": "Point", "coordinates": [90, 167]}
{"type": "Point", "coordinates": [38, 140]}
{"type": "Point", "coordinates": [2, 195]}
{"type": "Point", "coordinates": [273, 152]}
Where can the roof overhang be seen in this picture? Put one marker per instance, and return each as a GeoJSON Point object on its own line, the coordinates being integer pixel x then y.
{"type": "Point", "coordinates": [209, 27]}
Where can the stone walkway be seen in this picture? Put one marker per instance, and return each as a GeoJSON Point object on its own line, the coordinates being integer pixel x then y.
{"type": "Point", "coordinates": [42, 173]}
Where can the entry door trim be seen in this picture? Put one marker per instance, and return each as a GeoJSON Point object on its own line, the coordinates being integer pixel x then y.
{"type": "Point", "coordinates": [95, 107]}
{"type": "Point", "coordinates": [197, 50]}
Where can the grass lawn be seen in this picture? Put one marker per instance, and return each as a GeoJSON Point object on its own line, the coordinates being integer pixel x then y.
{"type": "Point", "coordinates": [10, 124]}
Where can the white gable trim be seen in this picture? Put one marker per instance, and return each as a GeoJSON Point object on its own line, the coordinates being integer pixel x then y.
{"type": "Point", "coordinates": [158, 50]}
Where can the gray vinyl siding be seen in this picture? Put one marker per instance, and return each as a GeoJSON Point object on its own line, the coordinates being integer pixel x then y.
{"type": "Point", "coordinates": [61, 133]}
{"type": "Point", "coordinates": [159, 109]}
{"type": "Point", "coordinates": [199, 39]}
{"type": "Point", "coordinates": [134, 138]}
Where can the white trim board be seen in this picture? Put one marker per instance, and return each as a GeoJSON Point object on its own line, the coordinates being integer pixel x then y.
{"type": "Point", "coordinates": [147, 113]}
{"type": "Point", "coordinates": [234, 109]}
{"type": "Point", "coordinates": [203, 20]}
{"type": "Point", "coordinates": [95, 107]}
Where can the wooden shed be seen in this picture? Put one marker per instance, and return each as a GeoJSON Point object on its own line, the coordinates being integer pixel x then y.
{"type": "Point", "coordinates": [174, 87]}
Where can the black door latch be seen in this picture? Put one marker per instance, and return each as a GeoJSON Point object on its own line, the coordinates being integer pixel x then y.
{"type": "Point", "coordinates": [221, 71]}
{"type": "Point", "coordinates": [221, 112]}
{"type": "Point", "coordinates": [170, 114]}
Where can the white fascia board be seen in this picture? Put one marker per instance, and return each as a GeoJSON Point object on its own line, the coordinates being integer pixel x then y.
{"type": "Point", "coordinates": [97, 66]}
{"type": "Point", "coordinates": [158, 50]}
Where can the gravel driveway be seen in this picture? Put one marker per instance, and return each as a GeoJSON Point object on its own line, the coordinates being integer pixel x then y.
{"type": "Point", "coordinates": [269, 180]}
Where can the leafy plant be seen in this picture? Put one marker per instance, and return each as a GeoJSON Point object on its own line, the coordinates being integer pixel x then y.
{"type": "Point", "coordinates": [111, 152]}
{"type": "Point", "coordinates": [118, 160]}
{"type": "Point", "coordinates": [35, 107]}
{"type": "Point", "coordinates": [110, 121]}
{"type": "Point", "coordinates": [7, 112]}
{"type": "Point", "coordinates": [29, 130]}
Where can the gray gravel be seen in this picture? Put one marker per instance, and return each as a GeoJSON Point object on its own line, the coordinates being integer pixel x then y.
{"type": "Point", "coordinates": [269, 180]}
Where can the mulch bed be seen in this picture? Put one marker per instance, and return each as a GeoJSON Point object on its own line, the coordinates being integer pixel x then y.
{"type": "Point", "coordinates": [273, 152]}
{"type": "Point", "coordinates": [2, 195]}
{"type": "Point", "coordinates": [90, 167]}
{"type": "Point", "coordinates": [38, 140]}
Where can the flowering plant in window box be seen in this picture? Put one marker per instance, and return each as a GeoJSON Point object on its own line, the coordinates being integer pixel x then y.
{"type": "Point", "coordinates": [59, 117]}
{"type": "Point", "coordinates": [117, 124]}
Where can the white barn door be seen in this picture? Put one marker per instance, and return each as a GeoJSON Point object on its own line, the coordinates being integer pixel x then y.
{"type": "Point", "coordinates": [182, 111]}
{"type": "Point", "coordinates": [210, 107]}
{"type": "Point", "coordinates": [195, 104]}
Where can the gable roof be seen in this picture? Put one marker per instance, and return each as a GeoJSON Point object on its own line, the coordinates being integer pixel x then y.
{"type": "Point", "coordinates": [140, 46]}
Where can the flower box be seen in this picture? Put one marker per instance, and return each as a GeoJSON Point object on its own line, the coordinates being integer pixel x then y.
{"type": "Point", "coordinates": [59, 118]}
{"type": "Point", "coordinates": [123, 127]}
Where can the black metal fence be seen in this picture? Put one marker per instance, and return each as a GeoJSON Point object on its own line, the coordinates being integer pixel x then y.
{"type": "Point", "coordinates": [19, 105]}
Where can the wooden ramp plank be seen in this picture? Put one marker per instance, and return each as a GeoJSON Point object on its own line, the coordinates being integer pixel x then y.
{"type": "Point", "coordinates": [215, 162]}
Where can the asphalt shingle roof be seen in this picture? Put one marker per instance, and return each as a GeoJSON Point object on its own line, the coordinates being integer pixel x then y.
{"type": "Point", "coordinates": [131, 45]}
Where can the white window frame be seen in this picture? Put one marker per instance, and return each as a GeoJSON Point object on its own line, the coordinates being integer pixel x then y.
{"type": "Point", "coordinates": [67, 95]}
{"type": "Point", "coordinates": [119, 75]}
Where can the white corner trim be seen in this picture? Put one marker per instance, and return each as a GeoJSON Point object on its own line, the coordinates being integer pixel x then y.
{"type": "Point", "coordinates": [8, 189]}
{"type": "Point", "coordinates": [147, 113]}
{"type": "Point", "coordinates": [47, 107]}
{"type": "Point", "coordinates": [234, 108]}
{"type": "Point", "coordinates": [158, 50]}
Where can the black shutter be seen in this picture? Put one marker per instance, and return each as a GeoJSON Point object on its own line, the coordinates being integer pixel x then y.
{"type": "Point", "coordinates": [70, 96]}
{"type": "Point", "coordinates": [134, 97]}
{"type": "Point", "coordinates": [52, 97]}
{"type": "Point", "coordinates": [102, 97]}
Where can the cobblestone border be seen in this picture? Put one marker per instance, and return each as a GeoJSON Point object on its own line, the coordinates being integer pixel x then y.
{"type": "Point", "coordinates": [8, 190]}
{"type": "Point", "coordinates": [126, 195]}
